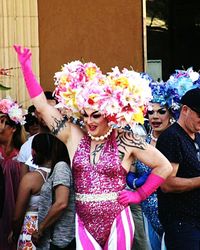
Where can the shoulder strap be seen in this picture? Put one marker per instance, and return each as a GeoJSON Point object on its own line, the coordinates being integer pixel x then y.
{"type": "Point", "coordinates": [43, 174]}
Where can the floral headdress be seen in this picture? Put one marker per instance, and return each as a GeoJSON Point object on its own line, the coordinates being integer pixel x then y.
{"type": "Point", "coordinates": [159, 92]}
{"type": "Point", "coordinates": [178, 84]}
{"type": "Point", "coordinates": [13, 110]}
{"type": "Point", "coordinates": [121, 96]}
{"type": "Point", "coordinates": [169, 93]}
{"type": "Point", "coordinates": [71, 81]}
{"type": "Point", "coordinates": [158, 89]}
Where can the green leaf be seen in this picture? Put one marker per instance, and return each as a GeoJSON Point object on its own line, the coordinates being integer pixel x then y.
{"type": "Point", "coordinates": [4, 87]}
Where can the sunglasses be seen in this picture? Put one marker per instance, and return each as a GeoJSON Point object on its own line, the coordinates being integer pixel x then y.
{"type": "Point", "coordinates": [159, 111]}
{"type": "Point", "coordinates": [197, 150]}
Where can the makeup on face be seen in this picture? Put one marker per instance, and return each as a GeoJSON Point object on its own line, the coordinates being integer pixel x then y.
{"type": "Point", "coordinates": [94, 115]}
{"type": "Point", "coordinates": [161, 111]}
{"type": "Point", "coordinates": [95, 122]}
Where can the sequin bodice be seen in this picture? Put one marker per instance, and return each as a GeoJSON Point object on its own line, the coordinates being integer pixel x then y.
{"type": "Point", "coordinates": [107, 176]}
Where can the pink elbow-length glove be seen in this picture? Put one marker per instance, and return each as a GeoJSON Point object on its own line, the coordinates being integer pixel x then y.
{"type": "Point", "coordinates": [24, 58]}
{"type": "Point", "coordinates": [152, 183]}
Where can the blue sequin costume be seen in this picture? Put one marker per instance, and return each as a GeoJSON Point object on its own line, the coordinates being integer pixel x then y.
{"type": "Point", "coordinates": [150, 205]}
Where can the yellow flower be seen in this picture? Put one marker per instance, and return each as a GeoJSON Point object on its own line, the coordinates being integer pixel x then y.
{"type": "Point", "coordinates": [121, 82]}
{"type": "Point", "coordinates": [92, 96]}
{"type": "Point", "coordinates": [138, 117]}
{"type": "Point", "coordinates": [63, 80]}
{"type": "Point", "coordinates": [90, 72]}
{"type": "Point", "coordinates": [135, 89]}
{"type": "Point", "coordinates": [102, 81]}
{"type": "Point", "coordinates": [70, 98]}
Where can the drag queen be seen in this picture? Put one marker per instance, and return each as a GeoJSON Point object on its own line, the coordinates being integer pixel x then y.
{"type": "Point", "coordinates": [163, 110]}
{"type": "Point", "coordinates": [102, 152]}
{"type": "Point", "coordinates": [160, 117]}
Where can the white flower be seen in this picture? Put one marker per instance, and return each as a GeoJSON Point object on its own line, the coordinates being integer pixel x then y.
{"type": "Point", "coordinates": [194, 76]}
{"type": "Point", "coordinates": [16, 114]}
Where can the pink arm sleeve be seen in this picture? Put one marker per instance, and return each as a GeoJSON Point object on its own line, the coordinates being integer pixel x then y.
{"type": "Point", "coordinates": [24, 58]}
{"type": "Point", "coordinates": [150, 186]}
{"type": "Point", "coordinates": [152, 183]}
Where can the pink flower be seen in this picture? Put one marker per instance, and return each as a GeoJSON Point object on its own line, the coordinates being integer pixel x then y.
{"type": "Point", "coordinates": [5, 105]}
{"type": "Point", "coordinates": [12, 109]}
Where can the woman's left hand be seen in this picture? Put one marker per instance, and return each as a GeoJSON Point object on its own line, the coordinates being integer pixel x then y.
{"type": "Point", "coordinates": [35, 237]}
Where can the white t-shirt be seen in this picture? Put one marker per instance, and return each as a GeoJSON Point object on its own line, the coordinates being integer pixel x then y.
{"type": "Point", "coordinates": [25, 155]}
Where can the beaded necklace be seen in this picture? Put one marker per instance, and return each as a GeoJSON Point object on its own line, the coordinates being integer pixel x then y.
{"type": "Point", "coordinates": [153, 137]}
{"type": "Point", "coordinates": [102, 137]}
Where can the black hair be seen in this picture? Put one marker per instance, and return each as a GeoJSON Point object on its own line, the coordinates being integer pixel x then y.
{"type": "Point", "coordinates": [30, 120]}
{"type": "Point", "coordinates": [49, 95]}
{"type": "Point", "coordinates": [31, 109]}
{"type": "Point", "coordinates": [47, 147]}
{"type": "Point", "coordinates": [17, 135]}
{"type": "Point", "coordinates": [59, 153]}
{"type": "Point", "coordinates": [42, 145]}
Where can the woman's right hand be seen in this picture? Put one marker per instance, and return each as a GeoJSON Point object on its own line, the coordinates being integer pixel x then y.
{"type": "Point", "coordinates": [11, 238]}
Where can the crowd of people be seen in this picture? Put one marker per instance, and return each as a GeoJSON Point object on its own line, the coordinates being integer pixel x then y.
{"type": "Point", "coordinates": [90, 175]}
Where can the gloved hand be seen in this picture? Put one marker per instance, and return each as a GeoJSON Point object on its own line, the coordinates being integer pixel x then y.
{"type": "Point", "coordinates": [24, 57]}
{"type": "Point", "coordinates": [127, 197]}
{"type": "Point", "coordinates": [134, 182]}
{"type": "Point", "coordinates": [152, 183]}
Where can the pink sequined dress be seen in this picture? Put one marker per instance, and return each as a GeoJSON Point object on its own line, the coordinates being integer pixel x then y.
{"type": "Point", "coordinates": [97, 187]}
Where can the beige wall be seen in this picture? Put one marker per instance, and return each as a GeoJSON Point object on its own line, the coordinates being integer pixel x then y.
{"type": "Point", "coordinates": [18, 25]}
{"type": "Point", "coordinates": [107, 32]}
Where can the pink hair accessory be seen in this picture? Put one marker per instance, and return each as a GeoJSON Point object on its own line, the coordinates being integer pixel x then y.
{"type": "Point", "coordinates": [13, 110]}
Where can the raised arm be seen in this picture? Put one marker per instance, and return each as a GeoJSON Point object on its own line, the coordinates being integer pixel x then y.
{"type": "Point", "coordinates": [50, 114]}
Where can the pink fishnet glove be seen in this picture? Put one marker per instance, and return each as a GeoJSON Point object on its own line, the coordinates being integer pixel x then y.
{"type": "Point", "coordinates": [152, 183]}
{"type": "Point", "coordinates": [24, 58]}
